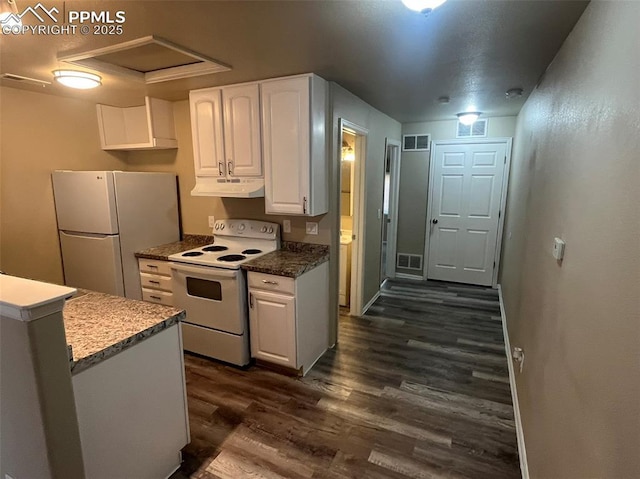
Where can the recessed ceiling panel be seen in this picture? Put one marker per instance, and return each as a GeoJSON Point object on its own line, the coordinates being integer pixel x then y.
{"type": "Point", "coordinates": [149, 59]}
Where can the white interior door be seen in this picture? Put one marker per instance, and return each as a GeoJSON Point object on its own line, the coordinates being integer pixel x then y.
{"type": "Point", "coordinates": [467, 182]}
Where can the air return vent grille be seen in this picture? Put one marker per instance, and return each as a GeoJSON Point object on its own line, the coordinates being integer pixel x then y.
{"type": "Point", "coordinates": [418, 142]}
{"type": "Point", "coordinates": [409, 261]}
{"type": "Point", "coordinates": [477, 129]}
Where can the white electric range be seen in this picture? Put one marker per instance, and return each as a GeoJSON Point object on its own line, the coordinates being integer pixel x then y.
{"type": "Point", "coordinates": [209, 284]}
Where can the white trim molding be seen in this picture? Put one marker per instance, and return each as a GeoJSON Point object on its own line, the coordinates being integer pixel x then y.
{"type": "Point", "coordinates": [415, 277]}
{"type": "Point", "coordinates": [370, 303]}
{"type": "Point", "coordinates": [522, 451]}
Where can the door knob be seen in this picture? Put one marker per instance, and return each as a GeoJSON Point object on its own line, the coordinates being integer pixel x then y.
{"type": "Point", "coordinates": [434, 221]}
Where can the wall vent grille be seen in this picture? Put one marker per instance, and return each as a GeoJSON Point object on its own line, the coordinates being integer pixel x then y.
{"type": "Point", "coordinates": [478, 129]}
{"type": "Point", "coordinates": [409, 261]}
{"type": "Point", "coordinates": [418, 142]}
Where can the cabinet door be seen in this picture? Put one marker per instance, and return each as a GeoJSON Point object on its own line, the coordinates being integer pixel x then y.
{"type": "Point", "coordinates": [242, 130]}
{"type": "Point", "coordinates": [273, 327]}
{"type": "Point", "coordinates": [206, 130]}
{"type": "Point", "coordinates": [285, 144]}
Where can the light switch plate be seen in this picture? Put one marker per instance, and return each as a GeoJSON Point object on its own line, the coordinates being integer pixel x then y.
{"type": "Point", "coordinates": [312, 228]}
{"type": "Point", "coordinates": [558, 248]}
{"type": "Point", "coordinates": [286, 226]}
{"type": "Point", "coordinates": [212, 221]}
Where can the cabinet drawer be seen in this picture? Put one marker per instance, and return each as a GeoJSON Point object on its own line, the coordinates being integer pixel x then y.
{"type": "Point", "coordinates": [271, 282]}
{"type": "Point", "coordinates": [160, 297]}
{"type": "Point", "coordinates": [154, 266]}
{"type": "Point", "coordinates": [155, 281]}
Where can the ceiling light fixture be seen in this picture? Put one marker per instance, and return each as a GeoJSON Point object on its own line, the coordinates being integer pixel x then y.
{"type": "Point", "coordinates": [347, 152]}
{"type": "Point", "coordinates": [9, 14]}
{"type": "Point", "coordinates": [423, 6]}
{"type": "Point", "coordinates": [513, 93]}
{"type": "Point", "coordinates": [468, 117]}
{"type": "Point", "coordinates": [77, 79]}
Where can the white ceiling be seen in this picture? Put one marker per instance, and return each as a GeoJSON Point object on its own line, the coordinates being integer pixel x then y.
{"type": "Point", "coordinates": [397, 60]}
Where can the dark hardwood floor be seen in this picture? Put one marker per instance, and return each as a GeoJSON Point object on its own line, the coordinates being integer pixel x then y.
{"type": "Point", "coordinates": [417, 388]}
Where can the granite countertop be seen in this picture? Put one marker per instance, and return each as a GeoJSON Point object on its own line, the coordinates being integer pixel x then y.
{"type": "Point", "coordinates": [163, 252]}
{"type": "Point", "coordinates": [292, 260]}
{"type": "Point", "coordinates": [99, 325]}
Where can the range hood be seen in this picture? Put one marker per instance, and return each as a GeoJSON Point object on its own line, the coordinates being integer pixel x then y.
{"type": "Point", "coordinates": [228, 187]}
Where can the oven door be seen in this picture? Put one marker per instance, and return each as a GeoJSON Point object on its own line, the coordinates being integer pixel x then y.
{"type": "Point", "coordinates": [213, 297]}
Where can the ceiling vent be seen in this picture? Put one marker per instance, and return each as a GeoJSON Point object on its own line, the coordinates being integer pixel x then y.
{"type": "Point", "coordinates": [418, 142]}
{"type": "Point", "coordinates": [20, 78]}
{"type": "Point", "coordinates": [477, 129]}
{"type": "Point", "coordinates": [149, 59]}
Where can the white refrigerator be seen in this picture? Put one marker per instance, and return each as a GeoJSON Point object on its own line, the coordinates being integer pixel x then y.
{"type": "Point", "coordinates": [104, 217]}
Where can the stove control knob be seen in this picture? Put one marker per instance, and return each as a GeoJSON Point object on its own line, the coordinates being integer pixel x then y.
{"type": "Point", "coordinates": [270, 230]}
{"type": "Point", "coordinates": [217, 226]}
{"type": "Point", "coordinates": [241, 227]}
{"type": "Point", "coordinates": [263, 229]}
{"type": "Point", "coordinates": [222, 226]}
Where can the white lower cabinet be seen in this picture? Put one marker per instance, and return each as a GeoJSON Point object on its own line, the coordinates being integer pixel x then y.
{"type": "Point", "coordinates": [273, 327]}
{"type": "Point", "coordinates": [289, 318]}
{"type": "Point", "coordinates": [155, 279]}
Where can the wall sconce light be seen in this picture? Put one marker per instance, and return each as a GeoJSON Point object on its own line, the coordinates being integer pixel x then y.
{"type": "Point", "coordinates": [468, 117]}
{"type": "Point", "coordinates": [77, 79]}
{"type": "Point", "coordinates": [347, 152]}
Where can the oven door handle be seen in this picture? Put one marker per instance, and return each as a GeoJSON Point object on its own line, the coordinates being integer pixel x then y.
{"type": "Point", "coordinates": [211, 273]}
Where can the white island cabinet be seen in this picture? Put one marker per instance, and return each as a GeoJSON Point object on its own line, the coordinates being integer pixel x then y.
{"type": "Point", "coordinates": [294, 145]}
{"type": "Point", "coordinates": [289, 317]}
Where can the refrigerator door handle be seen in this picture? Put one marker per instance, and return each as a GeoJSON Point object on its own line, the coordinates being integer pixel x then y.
{"type": "Point", "coordinates": [86, 235]}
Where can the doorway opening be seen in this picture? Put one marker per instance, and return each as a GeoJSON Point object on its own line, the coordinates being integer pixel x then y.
{"type": "Point", "coordinates": [390, 196]}
{"type": "Point", "coordinates": [352, 155]}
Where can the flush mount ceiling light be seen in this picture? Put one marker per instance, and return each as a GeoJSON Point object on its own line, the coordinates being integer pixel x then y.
{"type": "Point", "coordinates": [77, 79]}
{"type": "Point", "coordinates": [423, 6]}
{"type": "Point", "coordinates": [468, 117]}
{"type": "Point", "coordinates": [347, 152]}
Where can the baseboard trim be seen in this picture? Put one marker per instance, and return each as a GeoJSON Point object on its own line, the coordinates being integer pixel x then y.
{"type": "Point", "coordinates": [409, 276]}
{"type": "Point", "coordinates": [522, 451]}
{"type": "Point", "coordinates": [370, 303]}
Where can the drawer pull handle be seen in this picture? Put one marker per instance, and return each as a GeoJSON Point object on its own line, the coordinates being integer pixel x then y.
{"type": "Point", "coordinates": [154, 282]}
{"type": "Point", "coordinates": [156, 297]}
{"type": "Point", "coordinates": [266, 281]}
{"type": "Point", "coordinates": [152, 266]}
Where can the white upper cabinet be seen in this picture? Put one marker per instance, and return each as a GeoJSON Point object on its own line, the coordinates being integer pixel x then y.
{"type": "Point", "coordinates": [206, 125]}
{"type": "Point", "coordinates": [146, 127]}
{"type": "Point", "coordinates": [242, 130]}
{"type": "Point", "coordinates": [294, 145]}
{"type": "Point", "coordinates": [225, 126]}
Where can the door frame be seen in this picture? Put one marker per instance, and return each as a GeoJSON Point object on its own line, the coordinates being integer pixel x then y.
{"type": "Point", "coordinates": [394, 197]}
{"type": "Point", "coordinates": [357, 245]}
{"type": "Point", "coordinates": [503, 197]}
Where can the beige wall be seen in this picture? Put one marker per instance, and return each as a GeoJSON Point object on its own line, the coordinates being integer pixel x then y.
{"type": "Point", "coordinates": [380, 127]}
{"type": "Point", "coordinates": [576, 174]}
{"type": "Point", "coordinates": [414, 180]}
{"type": "Point", "coordinates": [41, 133]}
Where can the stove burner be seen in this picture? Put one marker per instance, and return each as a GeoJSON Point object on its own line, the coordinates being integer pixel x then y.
{"type": "Point", "coordinates": [252, 251]}
{"type": "Point", "coordinates": [215, 248]}
{"type": "Point", "coordinates": [193, 253]}
{"type": "Point", "coordinates": [231, 257]}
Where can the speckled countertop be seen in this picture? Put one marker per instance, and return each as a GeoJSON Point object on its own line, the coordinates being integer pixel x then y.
{"type": "Point", "coordinates": [292, 260]}
{"type": "Point", "coordinates": [163, 252]}
{"type": "Point", "coordinates": [99, 325]}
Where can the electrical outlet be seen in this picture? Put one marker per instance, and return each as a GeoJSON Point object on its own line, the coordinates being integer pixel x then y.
{"type": "Point", "coordinates": [286, 226]}
{"type": "Point", "coordinates": [312, 228]}
{"type": "Point", "coordinates": [212, 221]}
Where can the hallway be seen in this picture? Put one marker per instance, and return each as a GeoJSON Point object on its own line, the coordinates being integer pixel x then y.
{"type": "Point", "coordinates": [417, 388]}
